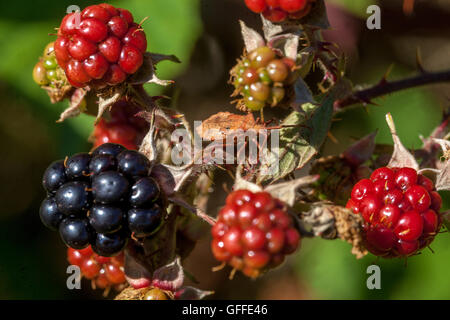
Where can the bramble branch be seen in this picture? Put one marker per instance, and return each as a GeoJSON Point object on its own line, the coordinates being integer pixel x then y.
{"type": "Point", "coordinates": [384, 87]}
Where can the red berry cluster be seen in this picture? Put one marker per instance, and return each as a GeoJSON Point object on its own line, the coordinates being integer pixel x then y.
{"type": "Point", "coordinates": [400, 209]}
{"type": "Point", "coordinates": [253, 232]}
{"type": "Point", "coordinates": [123, 128]}
{"type": "Point", "coordinates": [104, 272]}
{"type": "Point", "coordinates": [281, 10]}
{"type": "Point", "coordinates": [100, 46]}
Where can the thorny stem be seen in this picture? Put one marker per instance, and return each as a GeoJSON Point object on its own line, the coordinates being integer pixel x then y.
{"type": "Point", "coordinates": [385, 87]}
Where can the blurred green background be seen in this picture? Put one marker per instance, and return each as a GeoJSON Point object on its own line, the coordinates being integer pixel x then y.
{"type": "Point", "coordinates": [204, 34]}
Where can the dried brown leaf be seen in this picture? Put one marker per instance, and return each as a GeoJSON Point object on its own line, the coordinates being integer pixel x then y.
{"type": "Point", "coordinates": [287, 191]}
{"type": "Point", "coordinates": [75, 105]}
{"type": "Point", "coordinates": [401, 157]}
{"type": "Point", "coordinates": [252, 39]}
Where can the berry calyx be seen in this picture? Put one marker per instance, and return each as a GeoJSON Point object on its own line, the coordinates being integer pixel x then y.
{"type": "Point", "coordinates": [401, 211]}
{"type": "Point", "coordinates": [106, 46]}
{"type": "Point", "coordinates": [253, 232]}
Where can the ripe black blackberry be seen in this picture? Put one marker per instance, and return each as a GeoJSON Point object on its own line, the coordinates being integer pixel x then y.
{"type": "Point", "coordinates": [101, 199]}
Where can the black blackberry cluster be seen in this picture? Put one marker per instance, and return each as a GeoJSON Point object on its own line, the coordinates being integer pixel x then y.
{"type": "Point", "coordinates": [101, 198]}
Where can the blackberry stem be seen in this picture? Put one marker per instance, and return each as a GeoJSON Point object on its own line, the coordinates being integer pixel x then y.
{"type": "Point", "coordinates": [385, 87]}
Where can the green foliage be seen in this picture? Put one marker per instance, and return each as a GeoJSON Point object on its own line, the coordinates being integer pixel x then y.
{"type": "Point", "coordinates": [302, 140]}
{"type": "Point", "coordinates": [358, 8]}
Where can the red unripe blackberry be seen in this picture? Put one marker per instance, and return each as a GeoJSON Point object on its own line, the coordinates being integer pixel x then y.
{"type": "Point", "coordinates": [103, 49]}
{"type": "Point", "coordinates": [218, 250]}
{"type": "Point", "coordinates": [280, 10]}
{"type": "Point", "coordinates": [419, 198]}
{"type": "Point", "coordinates": [253, 232]}
{"type": "Point", "coordinates": [115, 274]}
{"type": "Point", "coordinates": [436, 201]}
{"type": "Point", "coordinates": [273, 3]}
{"type": "Point", "coordinates": [409, 227]}
{"type": "Point", "coordinates": [104, 272]}
{"type": "Point", "coordinates": [275, 15]}
{"type": "Point", "coordinates": [257, 6]}
{"type": "Point", "coordinates": [246, 214]}
{"type": "Point", "coordinates": [361, 189]}
{"type": "Point", "coordinates": [90, 268]}
{"type": "Point", "coordinates": [383, 173]}
{"type": "Point", "coordinates": [292, 6]}
{"type": "Point", "coordinates": [430, 222]}
{"type": "Point", "coordinates": [253, 238]}
{"type": "Point", "coordinates": [232, 241]}
{"type": "Point", "coordinates": [401, 211]}
{"type": "Point", "coordinates": [406, 177]}
{"type": "Point", "coordinates": [123, 128]}
{"type": "Point", "coordinates": [389, 215]}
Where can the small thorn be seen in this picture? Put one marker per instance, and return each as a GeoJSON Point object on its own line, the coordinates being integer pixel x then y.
{"type": "Point", "coordinates": [386, 75]}
{"type": "Point", "coordinates": [432, 251]}
{"type": "Point", "coordinates": [332, 137]}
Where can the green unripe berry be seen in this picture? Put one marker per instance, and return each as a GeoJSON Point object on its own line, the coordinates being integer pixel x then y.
{"type": "Point", "coordinates": [261, 56]}
{"type": "Point", "coordinates": [264, 76]}
{"type": "Point", "coordinates": [40, 74]}
{"type": "Point", "coordinates": [239, 81]}
{"type": "Point", "coordinates": [240, 70]}
{"type": "Point", "coordinates": [277, 70]}
{"type": "Point", "coordinates": [260, 91]}
{"type": "Point", "coordinates": [246, 90]}
{"type": "Point", "coordinates": [253, 104]}
{"type": "Point", "coordinates": [48, 49]}
{"type": "Point", "coordinates": [50, 63]}
{"type": "Point", "coordinates": [277, 95]}
{"type": "Point", "coordinates": [52, 75]}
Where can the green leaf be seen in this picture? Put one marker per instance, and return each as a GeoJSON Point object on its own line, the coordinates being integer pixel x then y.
{"type": "Point", "coordinates": [358, 8]}
{"type": "Point", "coordinates": [301, 141]}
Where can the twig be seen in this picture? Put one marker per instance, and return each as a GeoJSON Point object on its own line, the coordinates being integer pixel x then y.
{"type": "Point", "coordinates": [384, 87]}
